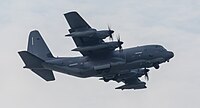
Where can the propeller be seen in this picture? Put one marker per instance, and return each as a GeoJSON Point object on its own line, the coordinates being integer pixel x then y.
{"type": "Point", "coordinates": [146, 74]}
{"type": "Point", "coordinates": [119, 43]}
{"type": "Point", "coordinates": [110, 32]}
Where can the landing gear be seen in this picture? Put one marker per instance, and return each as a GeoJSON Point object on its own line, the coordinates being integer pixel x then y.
{"type": "Point", "coordinates": [156, 66]}
{"type": "Point", "coordinates": [106, 80]}
{"type": "Point", "coordinates": [146, 70]}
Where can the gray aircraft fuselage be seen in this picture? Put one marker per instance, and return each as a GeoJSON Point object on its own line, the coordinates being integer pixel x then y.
{"type": "Point", "coordinates": [117, 62]}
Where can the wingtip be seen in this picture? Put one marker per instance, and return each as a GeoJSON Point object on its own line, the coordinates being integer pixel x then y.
{"type": "Point", "coordinates": [50, 80]}
{"type": "Point", "coordinates": [68, 35]}
{"type": "Point", "coordinates": [19, 52]}
{"type": "Point", "coordinates": [34, 30]}
{"type": "Point", "coordinates": [71, 12]}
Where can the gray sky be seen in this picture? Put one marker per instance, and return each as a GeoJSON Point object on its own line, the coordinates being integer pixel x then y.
{"type": "Point", "coordinates": [171, 23]}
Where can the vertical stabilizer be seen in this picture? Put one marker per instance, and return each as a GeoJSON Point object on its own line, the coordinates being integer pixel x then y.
{"type": "Point", "coordinates": [37, 46]}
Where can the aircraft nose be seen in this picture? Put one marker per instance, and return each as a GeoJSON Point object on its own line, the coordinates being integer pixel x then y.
{"type": "Point", "coordinates": [170, 55]}
{"type": "Point", "coordinates": [111, 31]}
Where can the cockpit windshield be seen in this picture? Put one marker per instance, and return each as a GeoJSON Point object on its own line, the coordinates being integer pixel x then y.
{"type": "Point", "coordinates": [161, 48]}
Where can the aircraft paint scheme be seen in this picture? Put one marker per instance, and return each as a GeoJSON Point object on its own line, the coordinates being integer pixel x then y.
{"type": "Point", "coordinates": [100, 58]}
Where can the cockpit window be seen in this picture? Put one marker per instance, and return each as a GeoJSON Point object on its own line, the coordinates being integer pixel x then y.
{"type": "Point", "coordinates": [160, 48]}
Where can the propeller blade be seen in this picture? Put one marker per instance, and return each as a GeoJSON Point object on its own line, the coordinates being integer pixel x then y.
{"type": "Point", "coordinates": [111, 37]}
{"type": "Point", "coordinates": [110, 33]}
{"type": "Point", "coordinates": [119, 42]}
{"type": "Point", "coordinates": [146, 74]}
{"type": "Point", "coordinates": [109, 28]}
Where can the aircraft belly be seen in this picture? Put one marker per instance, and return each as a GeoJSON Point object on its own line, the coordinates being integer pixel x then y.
{"type": "Point", "coordinates": [136, 64]}
{"type": "Point", "coordinates": [83, 73]}
{"type": "Point", "coordinates": [112, 68]}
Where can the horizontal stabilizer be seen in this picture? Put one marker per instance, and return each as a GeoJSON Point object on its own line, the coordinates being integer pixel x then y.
{"type": "Point", "coordinates": [45, 74]}
{"type": "Point", "coordinates": [35, 64]}
{"type": "Point", "coordinates": [31, 61]}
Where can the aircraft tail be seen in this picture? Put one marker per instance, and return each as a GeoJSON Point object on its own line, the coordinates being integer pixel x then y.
{"type": "Point", "coordinates": [37, 46]}
{"type": "Point", "coordinates": [36, 54]}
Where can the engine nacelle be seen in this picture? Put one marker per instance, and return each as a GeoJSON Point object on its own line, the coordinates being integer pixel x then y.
{"type": "Point", "coordinates": [102, 34]}
{"type": "Point", "coordinates": [106, 45]}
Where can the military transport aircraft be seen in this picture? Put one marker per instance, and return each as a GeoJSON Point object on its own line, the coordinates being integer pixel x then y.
{"type": "Point", "coordinates": [100, 58]}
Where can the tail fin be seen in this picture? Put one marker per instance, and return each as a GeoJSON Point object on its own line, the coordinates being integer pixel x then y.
{"type": "Point", "coordinates": [37, 46]}
{"type": "Point", "coordinates": [35, 64]}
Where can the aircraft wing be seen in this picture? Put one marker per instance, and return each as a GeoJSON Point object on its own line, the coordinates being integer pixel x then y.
{"type": "Point", "coordinates": [78, 24]}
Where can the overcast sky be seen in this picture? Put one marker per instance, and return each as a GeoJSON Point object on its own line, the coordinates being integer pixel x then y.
{"type": "Point", "coordinates": [171, 23]}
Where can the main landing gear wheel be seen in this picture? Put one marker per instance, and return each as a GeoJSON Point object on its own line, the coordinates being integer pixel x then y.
{"type": "Point", "coordinates": [106, 80]}
{"type": "Point", "coordinates": [156, 66]}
